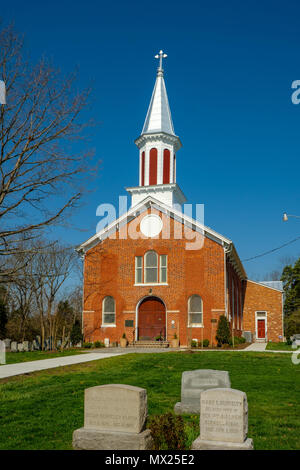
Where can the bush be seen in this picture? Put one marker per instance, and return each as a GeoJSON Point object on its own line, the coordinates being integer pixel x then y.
{"type": "Point", "coordinates": [194, 344]}
{"type": "Point", "coordinates": [205, 343]}
{"type": "Point", "coordinates": [237, 340]}
{"type": "Point", "coordinates": [76, 335]}
{"type": "Point", "coordinates": [167, 431]}
{"type": "Point", "coordinates": [223, 331]}
{"type": "Point", "coordinates": [99, 344]}
{"type": "Point", "coordinates": [87, 345]}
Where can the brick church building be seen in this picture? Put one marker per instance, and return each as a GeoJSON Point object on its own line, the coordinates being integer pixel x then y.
{"type": "Point", "coordinates": [156, 272]}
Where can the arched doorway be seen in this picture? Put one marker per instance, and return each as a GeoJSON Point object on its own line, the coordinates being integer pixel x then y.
{"type": "Point", "coordinates": [151, 319]}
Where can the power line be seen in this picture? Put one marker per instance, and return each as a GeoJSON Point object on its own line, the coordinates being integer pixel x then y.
{"type": "Point", "coordinates": [272, 251]}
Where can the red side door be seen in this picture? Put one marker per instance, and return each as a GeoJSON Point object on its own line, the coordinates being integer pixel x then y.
{"type": "Point", "coordinates": [261, 329]}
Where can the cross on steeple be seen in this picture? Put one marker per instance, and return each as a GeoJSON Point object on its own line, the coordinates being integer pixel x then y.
{"type": "Point", "coordinates": [160, 56]}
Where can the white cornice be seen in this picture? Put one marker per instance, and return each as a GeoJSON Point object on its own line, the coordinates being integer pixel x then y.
{"type": "Point", "coordinates": [158, 136]}
{"type": "Point", "coordinates": [173, 187]}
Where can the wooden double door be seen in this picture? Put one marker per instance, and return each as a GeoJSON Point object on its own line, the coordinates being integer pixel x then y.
{"type": "Point", "coordinates": [152, 319]}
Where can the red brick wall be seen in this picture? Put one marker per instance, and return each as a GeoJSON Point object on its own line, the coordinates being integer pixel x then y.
{"type": "Point", "coordinates": [110, 270]}
{"type": "Point", "coordinates": [262, 298]}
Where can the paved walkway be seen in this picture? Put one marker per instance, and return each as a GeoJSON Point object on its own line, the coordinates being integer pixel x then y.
{"type": "Point", "coordinates": [9, 370]}
{"type": "Point", "coordinates": [256, 347]}
{"type": "Point", "coordinates": [20, 368]}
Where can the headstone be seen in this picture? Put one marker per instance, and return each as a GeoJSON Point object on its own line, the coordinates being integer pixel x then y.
{"type": "Point", "coordinates": [14, 346]}
{"type": "Point", "coordinates": [223, 421]}
{"type": "Point", "coordinates": [2, 352]}
{"type": "Point", "coordinates": [20, 347]}
{"type": "Point", "coordinates": [114, 419]}
{"type": "Point", "coordinates": [7, 343]}
{"type": "Point", "coordinates": [193, 382]}
{"type": "Point", "coordinates": [25, 345]}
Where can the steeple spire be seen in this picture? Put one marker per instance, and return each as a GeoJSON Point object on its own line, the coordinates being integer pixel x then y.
{"type": "Point", "coordinates": [159, 117]}
{"type": "Point", "coordinates": [158, 145]}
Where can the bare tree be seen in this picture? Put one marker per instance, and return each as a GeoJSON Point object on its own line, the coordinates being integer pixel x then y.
{"type": "Point", "coordinates": [42, 161]}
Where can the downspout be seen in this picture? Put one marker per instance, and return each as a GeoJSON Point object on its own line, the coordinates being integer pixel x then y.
{"type": "Point", "coordinates": [227, 250]}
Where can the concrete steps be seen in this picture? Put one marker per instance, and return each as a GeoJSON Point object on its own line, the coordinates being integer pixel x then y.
{"type": "Point", "coordinates": [149, 344]}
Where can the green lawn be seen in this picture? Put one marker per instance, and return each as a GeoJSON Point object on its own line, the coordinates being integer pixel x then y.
{"type": "Point", "coordinates": [279, 347]}
{"type": "Point", "coordinates": [41, 410]}
{"type": "Point", "coordinates": [13, 358]}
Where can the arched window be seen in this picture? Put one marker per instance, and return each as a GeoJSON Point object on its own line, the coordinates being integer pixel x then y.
{"type": "Point", "coordinates": [153, 167]}
{"type": "Point", "coordinates": [166, 172]}
{"type": "Point", "coordinates": [108, 311]}
{"type": "Point", "coordinates": [151, 267]}
{"type": "Point", "coordinates": [143, 169]}
{"type": "Point", "coordinates": [195, 310]}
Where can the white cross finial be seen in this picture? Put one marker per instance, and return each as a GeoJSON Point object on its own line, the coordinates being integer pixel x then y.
{"type": "Point", "coordinates": [160, 56]}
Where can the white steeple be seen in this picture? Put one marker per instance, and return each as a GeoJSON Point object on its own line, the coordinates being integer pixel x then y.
{"type": "Point", "coordinates": [158, 145]}
{"type": "Point", "coordinates": [159, 117]}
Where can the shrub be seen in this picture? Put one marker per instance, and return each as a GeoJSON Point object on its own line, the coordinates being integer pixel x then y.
{"type": "Point", "coordinates": [205, 343]}
{"type": "Point", "coordinates": [167, 431]}
{"type": "Point", "coordinates": [194, 344]}
{"type": "Point", "coordinates": [76, 335]}
{"type": "Point", "coordinates": [87, 345]}
{"type": "Point", "coordinates": [237, 340]}
{"type": "Point", "coordinates": [99, 344]}
{"type": "Point", "coordinates": [223, 331]}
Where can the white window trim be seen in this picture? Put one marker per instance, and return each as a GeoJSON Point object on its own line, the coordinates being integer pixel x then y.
{"type": "Point", "coordinates": [257, 317]}
{"type": "Point", "coordinates": [108, 325]}
{"type": "Point", "coordinates": [152, 284]}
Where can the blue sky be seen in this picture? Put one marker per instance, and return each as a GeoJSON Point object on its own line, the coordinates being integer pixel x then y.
{"type": "Point", "coordinates": [228, 74]}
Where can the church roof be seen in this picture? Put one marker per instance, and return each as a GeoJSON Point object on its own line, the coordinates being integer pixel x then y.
{"type": "Point", "coordinates": [159, 117]}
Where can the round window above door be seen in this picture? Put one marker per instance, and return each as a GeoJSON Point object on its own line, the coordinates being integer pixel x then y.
{"type": "Point", "coordinates": [151, 225]}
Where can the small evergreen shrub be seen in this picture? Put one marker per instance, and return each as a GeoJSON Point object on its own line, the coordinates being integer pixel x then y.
{"type": "Point", "coordinates": [99, 344]}
{"type": "Point", "coordinates": [205, 343]}
{"type": "Point", "coordinates": [167, 431]}
{"type": "Point", "coordinates": [223, 331]}
{"type": "Point", "coordinates": [87, 345]}
{"type": "Point", "coordinates": [76, 335]}
{"type": "Point", "coordinates": [194, 344]}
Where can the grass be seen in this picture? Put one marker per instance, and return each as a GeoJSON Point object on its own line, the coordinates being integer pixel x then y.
{"type": "Point", "coordinates": [41, 410]}
{"type": "Point", "coordinates": [16, 357]}
{"type": "Point", "coordinates": [279, 346]}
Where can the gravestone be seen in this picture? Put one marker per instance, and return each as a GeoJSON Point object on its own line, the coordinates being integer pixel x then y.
{"type": "Point", "coordinates": [114, 419]}
{"type": "Point", "coordinates": [2, 352]}
{"type": "Point", "coordinates": [7, 343]}
{"type": "Point", "coordinates": [193, 382]}
{"type": "Point", "coordinates": [25, 345]}
{"type": "Point", "coordinates": [20, 347]}
{"type": "Point", "coordinates": [14, 346]}
{"type": "Point", "coordinates": [223, 421]}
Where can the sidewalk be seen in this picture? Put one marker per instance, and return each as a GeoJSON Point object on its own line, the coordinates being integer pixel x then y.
{"type": "Point", "coordinates": [256, 347]}
{"type": "Point", "coordinates": [20, 368]}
